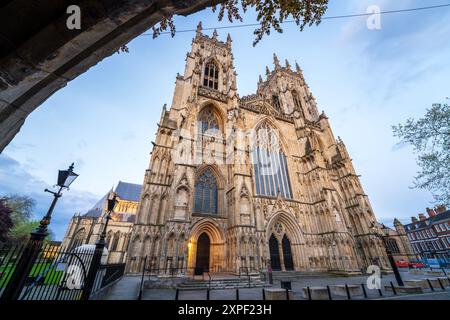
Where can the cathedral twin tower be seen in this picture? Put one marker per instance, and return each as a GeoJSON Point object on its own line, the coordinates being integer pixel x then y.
{"type": "Point", "coordinates": [249, 183]}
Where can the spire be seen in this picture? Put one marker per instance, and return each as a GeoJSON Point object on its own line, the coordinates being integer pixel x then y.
{"type": "Point", "coordinates": [267, 71]}
{"type": "Point", "coordinates": [288, 66]}
{"type": "Point", "coordinates": [229, 41]}
{"type": "Point", "coordinates": [297, 67]}
{"type": "Point", "coordinates": [276, 62]}
{"type": "Point", "coordinates": [199, 27]}
{"type": "Point", "coordinates": [260, 79]}
{"type": "Point", "coordinates": [214, 35]}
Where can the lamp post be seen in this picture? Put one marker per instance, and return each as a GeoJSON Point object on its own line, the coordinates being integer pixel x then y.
{"type": "Point", "coordinates": [99, 247]}
{"type": "Point", "coordinates": [394, 267]}
{"type": "Point", "coordinates": [34, 245]}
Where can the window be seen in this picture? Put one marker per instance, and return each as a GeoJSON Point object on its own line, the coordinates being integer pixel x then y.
{"type": "Point", "coordinates": [206, 193]}
{"type": "Point", "coordinates": [211, 76]}
{"type": "Point", "coordinates": [270, 165]}
{"type": "Point", "coordinates": [297, 101]}
{"type": "Point", "coordinates": [276, 102]}
{"type": "Point", "coordinates": [208, 121]}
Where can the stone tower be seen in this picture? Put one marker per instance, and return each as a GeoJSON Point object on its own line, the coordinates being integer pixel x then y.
{"type": "Point", "coordinates": [252, 182]}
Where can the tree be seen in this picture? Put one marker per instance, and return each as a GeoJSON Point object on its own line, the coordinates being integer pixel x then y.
{"type": "Point", "coordinates": [21, 206]}
{"type": "Point", "coordinates": [430, 138]}
{"type": "Point", "coordinates": [270, 14]}
{"type": "Point", "coordinates": [6, 223]}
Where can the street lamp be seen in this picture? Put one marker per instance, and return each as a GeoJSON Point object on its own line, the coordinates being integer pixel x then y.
{"type": "Point", "coordinates": [394, 267]}
{"type": "Point", "coordinates": [99, 247]}
{"type": "Point", "coordinates": [34, 245]}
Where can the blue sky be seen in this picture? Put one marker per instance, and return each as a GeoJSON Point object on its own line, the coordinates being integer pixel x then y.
{"type": "Point", "coordinates": [365, 80]}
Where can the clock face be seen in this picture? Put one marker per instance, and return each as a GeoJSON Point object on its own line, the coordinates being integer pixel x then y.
{"type": "Point", "coordinates": [296, 114]}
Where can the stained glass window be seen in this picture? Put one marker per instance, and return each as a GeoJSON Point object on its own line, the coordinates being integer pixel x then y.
{"type": "Point", "coordinates": [206, 193]}
{"type": "Point", "coordinates": [208, 121]}
{"type": "Point", "coordinates": [270, 165]}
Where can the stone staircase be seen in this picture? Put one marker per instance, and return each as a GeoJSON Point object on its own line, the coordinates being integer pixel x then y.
{"type": "Point", "coordinates": [225, 283]}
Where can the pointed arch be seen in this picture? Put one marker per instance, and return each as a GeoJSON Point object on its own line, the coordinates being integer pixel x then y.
{"type": "Point", "coordinates": [206, 193]}
{"type": "Point", "coordinates": [270, 162]}
{"type": "Point", "coordinates": [211, 74]}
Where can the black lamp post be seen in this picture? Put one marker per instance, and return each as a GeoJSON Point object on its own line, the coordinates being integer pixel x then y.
{"type": "Point", "coordinates": [99, 247]}
{"type": "Point", "coordinates": [394, 267]}
{"type": "Point", "coordinates": [34, 245]}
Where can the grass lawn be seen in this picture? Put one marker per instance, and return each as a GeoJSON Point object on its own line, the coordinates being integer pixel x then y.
{"type": "Point", "coordinates": [52, 276]}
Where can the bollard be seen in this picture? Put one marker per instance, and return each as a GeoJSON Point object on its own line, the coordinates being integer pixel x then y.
{"type": "Point", "coordinates": [207, 294]}
{"type": "Point", "coordinates": [380, 292]}
{"type": "Point", "coordinates": [329, 293]}
{"type": "Point", "coordinates": [393, 288]}
{"type": "Point", "coordinates": [176, 294]}
{"type": "Point", "coordinates": [431, 286]}
{"type": "Point", "coordinates": [309, 293]}
{"type": "Point", "coordinates": [287, 294]}
{"type": "Point", "coordinates": [440, 283]}
{"type": "Point", "coordinates": [349, 297]}
{"type": "Point", "coordinates": [364, 290]}
{"type": "Point", "coordinates": [264, 294]}
{"type": "Point", "coordinates": [237, 294]}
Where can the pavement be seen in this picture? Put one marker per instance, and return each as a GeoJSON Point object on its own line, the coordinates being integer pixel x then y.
{"type": "Point", "coordinates": [128, 289]}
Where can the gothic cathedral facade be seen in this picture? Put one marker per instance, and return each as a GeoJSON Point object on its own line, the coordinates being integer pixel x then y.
{"type": "Point", "coordinates": [249, 183]}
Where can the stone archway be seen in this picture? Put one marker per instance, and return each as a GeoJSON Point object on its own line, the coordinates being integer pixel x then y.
{"type": "Point", "coordinates": [285, 243]}
{"type": "Point", "coordinates": [41, 56]}
{"type": "Point", "coordinates": [206, 228]}
{"type": "Point", "coordinates": [203, 252]}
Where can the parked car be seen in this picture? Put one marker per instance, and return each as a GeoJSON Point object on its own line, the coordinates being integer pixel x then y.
{"type": "Point", "coordinates": [401, 264]}
{"type": "Point", "coordinates": [417, 265]}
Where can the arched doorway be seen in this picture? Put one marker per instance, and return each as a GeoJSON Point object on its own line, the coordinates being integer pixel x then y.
{"type": "Point", "coordinates": [203, 249]}
{"type": "Point", "coordinates": [287, 254]}
{"type": "Point", "coordinates": [274, 253]}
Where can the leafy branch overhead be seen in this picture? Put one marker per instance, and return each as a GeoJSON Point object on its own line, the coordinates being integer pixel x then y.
{"type": "Point", "coordinates": [270, 14]}
{"type": "Point", "coordinates": [430, 138]}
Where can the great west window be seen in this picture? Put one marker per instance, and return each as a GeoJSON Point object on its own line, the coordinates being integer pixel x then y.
{"type": "Point", "coordinates": [270, 165]}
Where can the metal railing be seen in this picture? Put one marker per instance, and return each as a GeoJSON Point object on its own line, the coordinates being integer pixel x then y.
{"type": "Point", "coordinates": [56, 273]}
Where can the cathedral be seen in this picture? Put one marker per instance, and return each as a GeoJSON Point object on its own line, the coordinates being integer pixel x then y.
{"type": "Point", "coordinates": [249, 183]}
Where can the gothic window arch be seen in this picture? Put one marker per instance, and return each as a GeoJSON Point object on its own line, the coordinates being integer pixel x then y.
{"type": "Point", "coordinates": [211, 76]}
{"type": "Point", "coordinates": [276, 103]}
{"type": "Point", "coordinates": [205, 200]}
{"type": "Point", "coordinates": [297, 101]}
{"type": "Point", "coordinates": [270, 164]}
{"type": "Point", "coordinates": [209, 122]}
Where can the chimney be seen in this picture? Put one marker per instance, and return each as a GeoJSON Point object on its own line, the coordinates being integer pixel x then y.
{"type": "Point", "coordinates": [414, 219]}
{"type": "Point", "coordinates": [422, 217]}
{"type": "Point", "coordinates": [431, 213]}
{"type": "Point", "coordinates": [440, 209]}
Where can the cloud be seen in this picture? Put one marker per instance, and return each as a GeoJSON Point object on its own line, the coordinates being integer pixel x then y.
{"type": "Point", "coordinates": [15, 179]}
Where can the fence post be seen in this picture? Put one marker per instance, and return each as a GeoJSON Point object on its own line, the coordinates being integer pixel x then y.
{"type": "Point", "coordinates": [364, 290]}
{"type": "Point", "coordinates": [237, 294]}
{"type": "Point", "coordinates": [440, 283]}
{"type": "Point", "coordinates": [207, 294]}
{"type": "Point", "coordinates": [264, 294]}
{"type": "Point", "coordinates": [92, 273]}
{"type": "Point", "coordinates": [349, 297]}
{"type": "Point", "coordinates": [309, 293]}
{"type": "Point", "coordinates": [431, 286]}
{"type": "Point", "coordinates": [287, 294]}
{"type": "Point", "coordinates": [380, 292]}
{"type": "Point", "coordinates": [329, 293]}
{"type": "Point", "coordinates": [176, 294]}
{"type": "Point", "coordinates": [393, 288]}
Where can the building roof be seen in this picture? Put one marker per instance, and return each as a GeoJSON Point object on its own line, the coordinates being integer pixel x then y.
{"type": "Point", "coordinates": [129, 191]}
{"type": "Point", "coordinates": [125, 191]}
{"type": "Point", "coordinates": [429, 221]}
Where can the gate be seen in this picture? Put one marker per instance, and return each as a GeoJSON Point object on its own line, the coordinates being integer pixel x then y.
{"type": "Point", "coordinates": [57, 273]}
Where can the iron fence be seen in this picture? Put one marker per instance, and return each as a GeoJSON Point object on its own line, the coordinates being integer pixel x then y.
{"type": "Point", "coordinates": [56, 273]}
